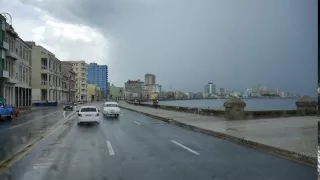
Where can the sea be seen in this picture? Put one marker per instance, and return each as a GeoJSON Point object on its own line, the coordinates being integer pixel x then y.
{"type": "Point", "coordinates": [251, 104]}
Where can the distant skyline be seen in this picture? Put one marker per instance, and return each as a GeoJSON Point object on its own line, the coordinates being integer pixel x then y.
{"type": "Point", "coordinates": [184, 43]}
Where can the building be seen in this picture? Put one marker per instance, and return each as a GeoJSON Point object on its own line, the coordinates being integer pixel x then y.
{"type": "Point", "coordinates": [150, 79]}
{"type": "Point", "coordinates": [210, 88]}
{"type": "Point", "coordinates": [116, 93]}
{"type": "Point", "coordinates": [46, 75]}
{"type": "Point", "coordinates": [81, 70]}
{"type": "Point", "coordinates": [150, 89]}
{"type": "Point", "coordinates": [93, 92]}
{"type": "Point", "coordinates": [98, 74]}
{"type": "Point", "coordinates": [134, 89]}
{"type": "Point", "coordinates": [70, 91]}
{"type": "Point", "coordinates": [4, 47]}
{"type": "Point", "coordinates": [17, 87]}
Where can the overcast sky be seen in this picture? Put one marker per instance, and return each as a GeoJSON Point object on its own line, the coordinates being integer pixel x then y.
{"type": "Point", "coordinates": [185, 43]}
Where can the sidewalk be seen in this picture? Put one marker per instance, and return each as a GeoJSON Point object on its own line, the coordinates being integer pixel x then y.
{"type": "Point", "coordinates": [22, 112]}
{"type": "Point", "coordinates": [292, 137]}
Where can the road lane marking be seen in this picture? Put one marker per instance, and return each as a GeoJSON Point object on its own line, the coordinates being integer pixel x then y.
{"type": "Point", "coordinates": [136, 122]}
{"type": "Point", "coordinates": [190, 150]}
{"type": "Point", "coordinates": [13, 127]}
{"type": "Point", "coordinates": [110, 148]}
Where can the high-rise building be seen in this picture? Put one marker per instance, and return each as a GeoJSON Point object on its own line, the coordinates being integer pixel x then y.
{"type": "Point", "coordinates": [150, 79]}
{"type": "Point", "coordinates": [46, 75]}
{"type": "Point", "coordinates": [81, 70]}
{"type": "Point", "coordinates": [98, 74]}
{"type": "Point", "coordinates": [210, 88]}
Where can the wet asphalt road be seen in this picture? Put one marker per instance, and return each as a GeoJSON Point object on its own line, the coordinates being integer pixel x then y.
{"type": "Point", "coordinates": [16, 133]}
{"type": "Point", "coordinates": [137, 147]}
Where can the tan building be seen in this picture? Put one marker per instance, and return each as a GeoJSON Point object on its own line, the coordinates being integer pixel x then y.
{"type": "Point", "coordinates": [81, 70]}
{"type": "Point", "coordinates": [17, 88]}
{"type": "Point", "coordinates": [93, 92]}
{"type": "Point", "coordinates": [46, 75]}
{"type": "Point", "coordinates": [149, 79]}
{"type": "Point", "coordinates": [69, 81]}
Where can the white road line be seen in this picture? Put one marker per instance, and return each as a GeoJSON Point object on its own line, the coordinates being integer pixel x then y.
{"type": "Point", "coordinates": [190, 150]}
{"type": "Point", "coordinates": [110, 148]}
{"type": "Point", "coordinates": [136, 122]}
{"type": "Point", "coordinates": [29, 121]}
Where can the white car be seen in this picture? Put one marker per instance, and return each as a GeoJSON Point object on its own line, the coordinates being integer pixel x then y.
{"type": "Point", "coordinates": [111, 109]}
{"type": "Point", "coordinates": [88, 114]}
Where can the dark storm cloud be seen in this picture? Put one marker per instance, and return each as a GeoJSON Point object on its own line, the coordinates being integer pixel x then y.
{"type": "Point", "coordinates": [187, 43]}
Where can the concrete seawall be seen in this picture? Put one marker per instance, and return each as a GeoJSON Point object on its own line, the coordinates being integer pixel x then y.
{"type": "Point", "coordinates": [305, 107]}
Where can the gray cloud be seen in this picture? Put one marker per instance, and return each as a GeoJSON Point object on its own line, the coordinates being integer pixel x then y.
{"type": "Point", "coordinates": [187, 43]}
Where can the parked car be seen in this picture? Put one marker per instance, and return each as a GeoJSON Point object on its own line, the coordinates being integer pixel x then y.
{"type": "Point", "coordinates": [7, 111]}
{"type": "Point", "coordinates": [111, 109]}
{"type": "Point", "coordinates": [88, 114]}
{"type": "Point", "coordinates": [68, 106]}
{"type": "Point", "coordinates": [80, 102]}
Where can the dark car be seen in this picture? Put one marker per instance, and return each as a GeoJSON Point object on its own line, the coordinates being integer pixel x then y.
{"type": "Point", "coordinates": [68, 106]}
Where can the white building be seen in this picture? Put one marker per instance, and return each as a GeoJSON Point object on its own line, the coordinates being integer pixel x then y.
{"type": "Point", "coordinates": [17, 88]}
{"type": "Point", "coordinates": [210, 88]}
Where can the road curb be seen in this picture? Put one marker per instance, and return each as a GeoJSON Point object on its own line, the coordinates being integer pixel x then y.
{"type": "Point", "coordinates": [311, 161]}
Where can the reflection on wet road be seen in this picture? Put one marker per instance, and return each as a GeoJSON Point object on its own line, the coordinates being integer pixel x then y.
{"type": "Point", "coordinates": [139, 147]}
{"type": "Point", "coordinates": [18, 132]}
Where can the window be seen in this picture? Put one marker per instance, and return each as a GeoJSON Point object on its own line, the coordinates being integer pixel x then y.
{"type": "Point", "coordinates": [24, 75]}
{"type": "Point", "coordinates": [20, 52]}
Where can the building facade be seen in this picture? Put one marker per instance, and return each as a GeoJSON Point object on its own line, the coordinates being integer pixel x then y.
{"type": "Point", "coordinates": [70, 90]}
{"type": "Point", "coordinates": [4, 47]}
{"type": "Point", "coordinates": [149, 79]}
{"type": "Point", "coordinates": [93, 92]}
{"type": "Point", "coordinates": [81, 70]}
{"type": "Point", "coordinates": [16, 89]}
{"type": "Point", "coordinates": [116, 93]}
{"type": "Point", "coordinates": [98, 74]}
{"type": "Point", "coordinates": [134, 89]}
{"type": "Point", "coordinates": [210, 88]}
{"type": "Point", "coordinates": [46, 75]}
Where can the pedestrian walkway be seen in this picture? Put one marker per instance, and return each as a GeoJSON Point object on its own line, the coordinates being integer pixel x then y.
{"type": "Point", "coordinates": [294, 134]}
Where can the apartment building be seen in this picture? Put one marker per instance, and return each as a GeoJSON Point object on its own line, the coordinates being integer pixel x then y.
{"type": "Point", "coordinates": [4, 47]}
{"type": "Point", "coordinates": [68, 82]}
{"type": "Point", "coordinates": [81, 70]}
{"type": "Point", "coordinates": [98, 74]}
{"type": "Point", "coordinates": [46, 75]}
{"type": "Point", "coordinates": [16, 89]}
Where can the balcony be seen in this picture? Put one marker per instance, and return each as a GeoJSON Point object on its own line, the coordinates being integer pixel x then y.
{"type": "Point", "coordinates": [4, 74]}
{"type": "Point", "coordinates": [44, 85]}
{"type": "Point", "coordinates": [5, 45]}
{"type": "Point", "coordinates": [44, 69]}
{"type": "Point", "coordinates": [13, 80]}
{"type": "Point", "coordinates": [11, 55]}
